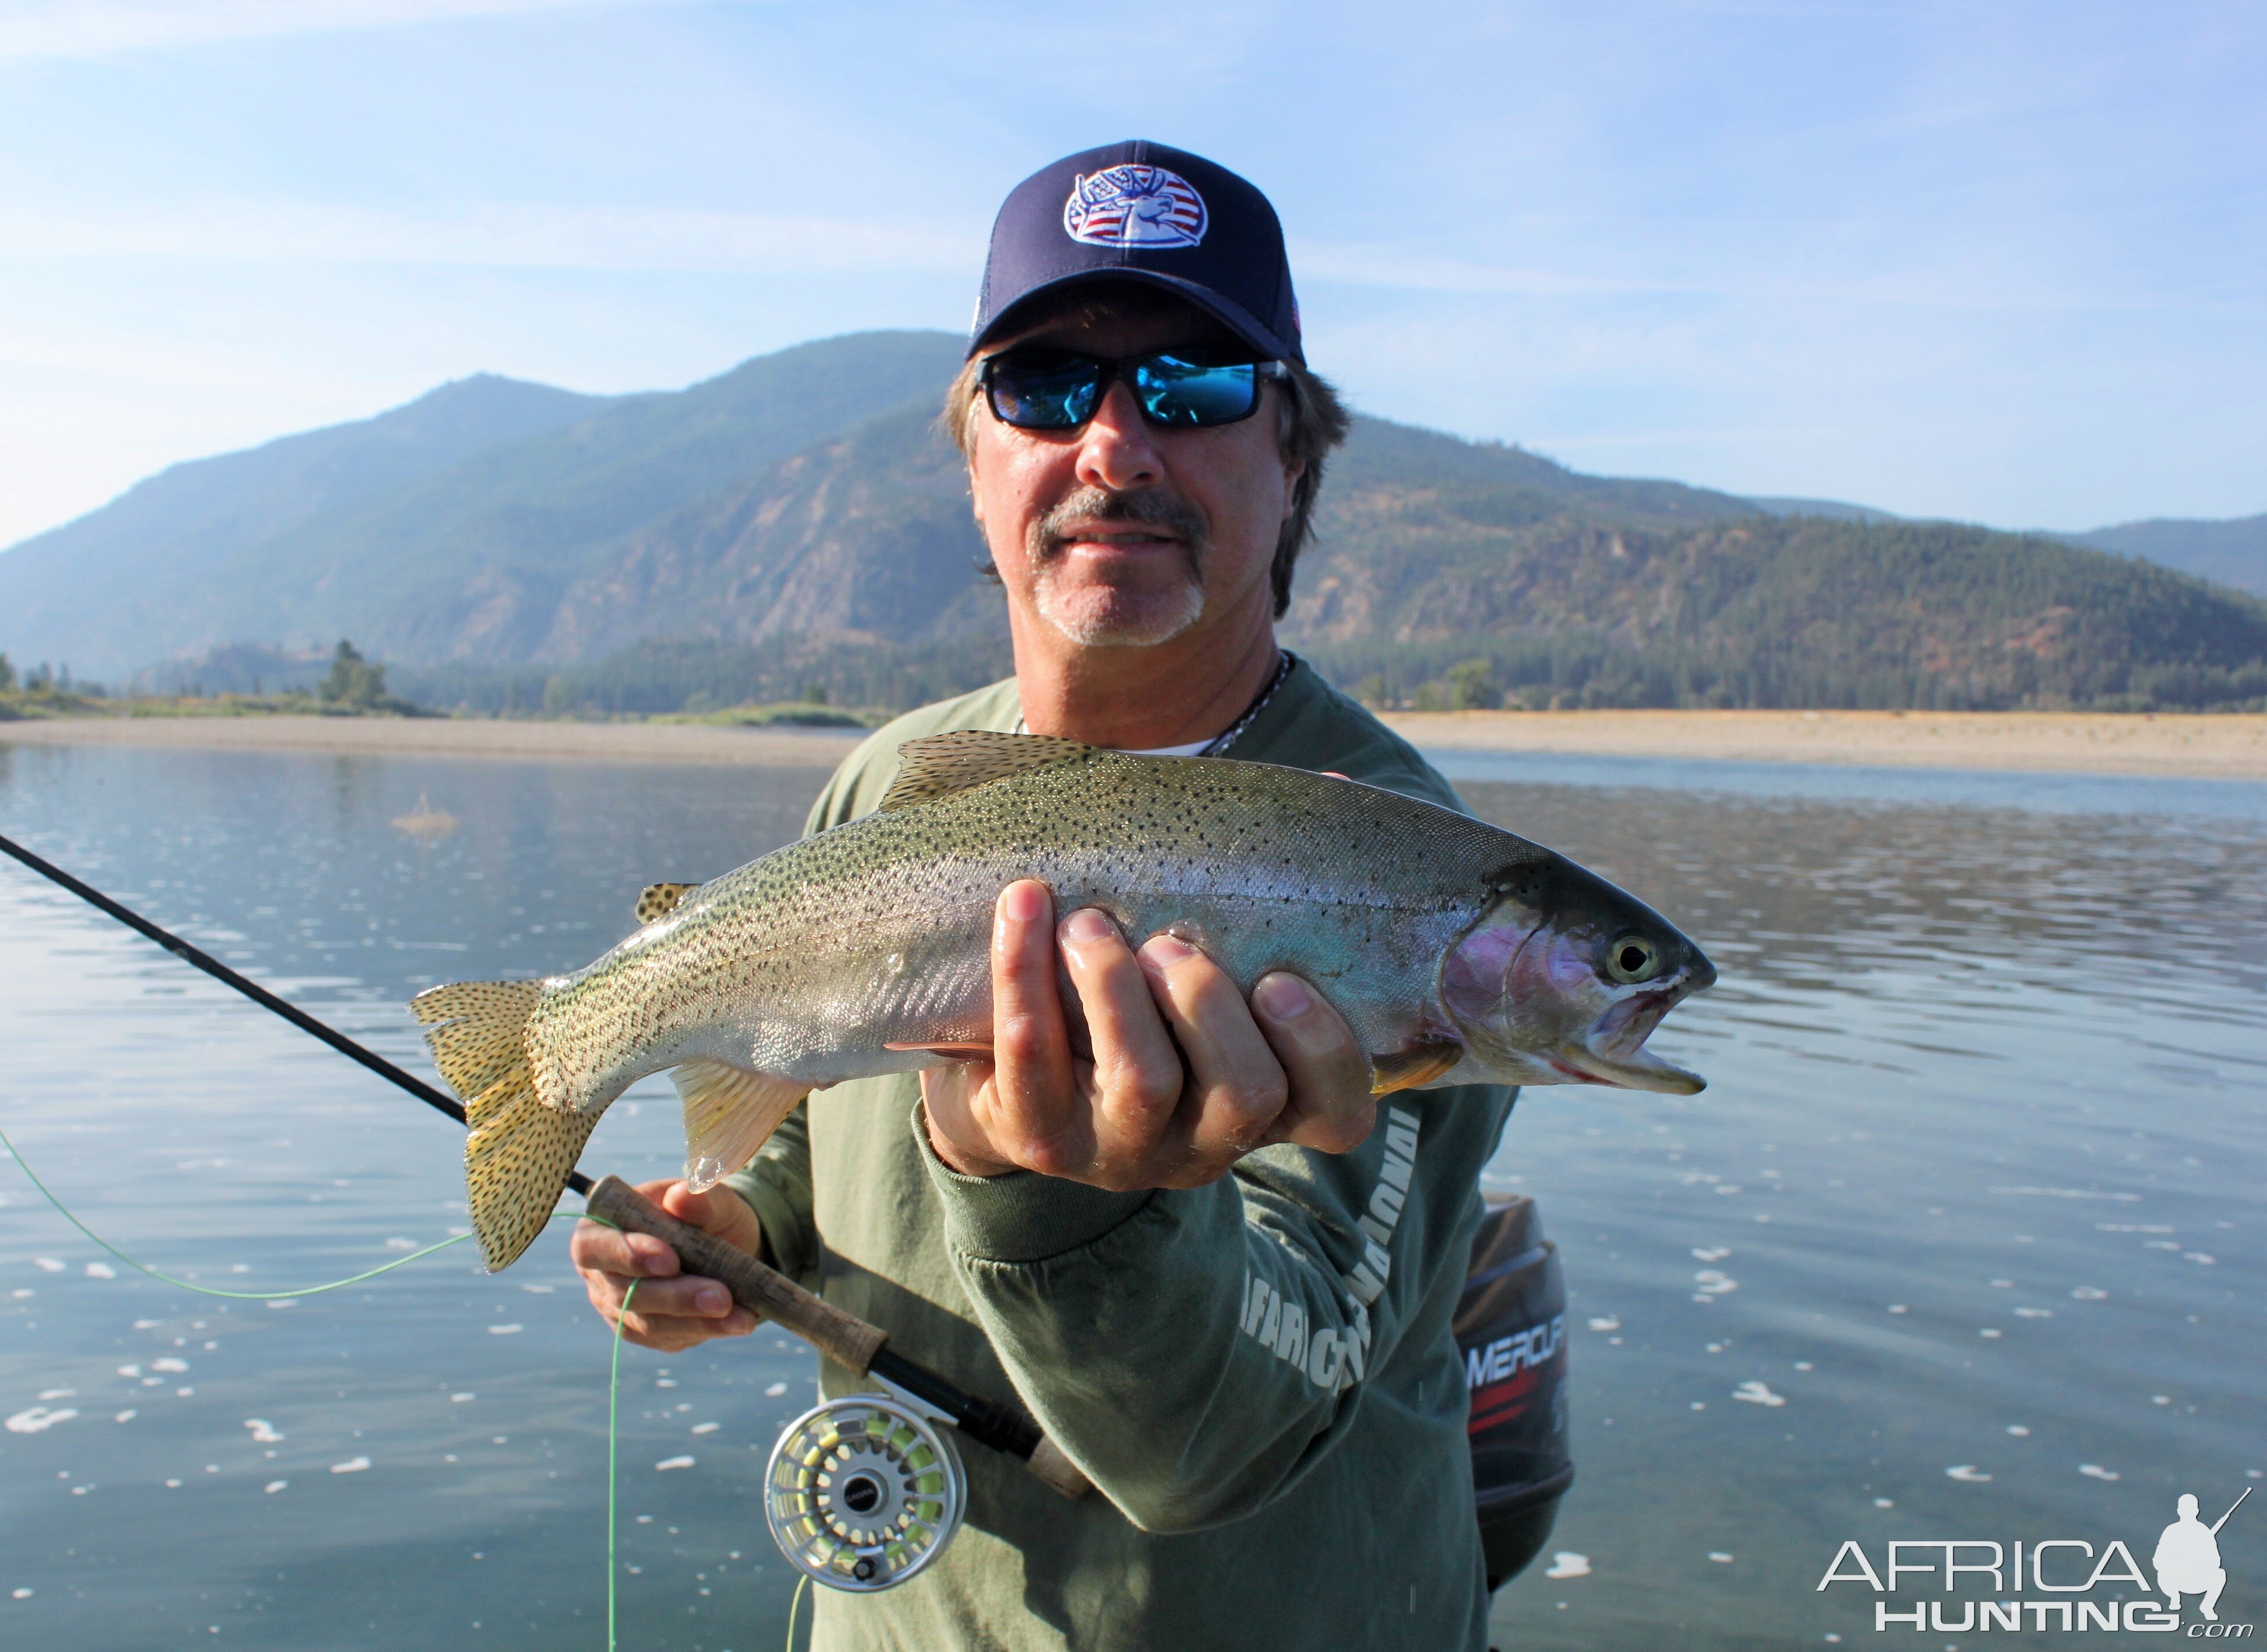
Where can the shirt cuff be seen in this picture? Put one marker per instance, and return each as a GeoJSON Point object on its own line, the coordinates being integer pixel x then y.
{"type": "Point", "coordinates": [1021, 1216]}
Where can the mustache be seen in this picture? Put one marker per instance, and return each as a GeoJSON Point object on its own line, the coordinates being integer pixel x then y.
{"type": "Point", "coordinates": [1146, 506]}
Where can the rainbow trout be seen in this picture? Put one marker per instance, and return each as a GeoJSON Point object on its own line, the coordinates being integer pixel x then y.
{"type": "Point", "coordinates": [1457, 953]}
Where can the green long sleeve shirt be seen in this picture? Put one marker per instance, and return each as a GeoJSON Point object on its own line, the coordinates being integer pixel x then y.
{"type": "Point", "coordinates": [1258, 1376]}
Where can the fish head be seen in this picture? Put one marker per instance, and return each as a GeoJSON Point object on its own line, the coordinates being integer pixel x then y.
{"type": "Point", "coordinates": [1563, 978]}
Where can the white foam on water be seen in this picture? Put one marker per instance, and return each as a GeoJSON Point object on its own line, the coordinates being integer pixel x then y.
{"type": "Point", "coordinates": [774, 1390]}
{"type": "Point", "coordinates": [38, 1419]}
{"type": "Point", "coordinates": [20, 1295]}
{"type": "Point", "coordinates": [459, 1399]}
{"type": "Point", "coordinates": [274, 1485]}
{"type": "Point", "coordinates": [1967, 1473]}
{"type": "Point", "coordinates": [401, 1244]}
{"type": "Point", "coordinates": [1715, 1282]}
{"type": "Point", "coordinates": [1989, 1331]}
{"type": "Point", "coordinates": [47, 1265]}
{"type": "Point", "coordinates": [169, 1364]}
{"type": "Point", "coordinates": [504, 1331]}
{"type": "Point", "coordinates": [58, 1393]}
{"type": "Point", "coordinates": [539, 1290]}
{"type": "Point", "coordinates": [352, 1465]}
{"type": "Point", "coordinates": [2033, 1313]}
{"type": "Point", "coordinates": [668, 1463]}
{"type": "Point", "coordinates": [129, 1370]}
{"type": "Point", "coordinates": [2090, 1293]}
{"type": "Point", "coordinates": [147, 1324]}
{"type": "Point", "coordinates": [1609, 1322]}
{"type": "Point", "coordinates": [2019, 1431]}
{"type": "Point", "coordinates": [100, 1270]}
{"type": "Point", "coordinates": [127, 1415]}
{"type": "Point", "coordinates": [282, 1302]}
{"type": "Point", "coordinates": [1710, 1253]}
{"type": "Point", "coordinates": [2094, 1470]}
{"type": "Point", "coordinates": [1755, 1394]}
{"type": "Point", "coordinates": [1884, 1503]}
{"type": "Point", "coordinates": [706, 1428]}
{"type": "Point", "coordinates": [19, 1594]}
{"type": "Point", "coordinates": [1566, 1563]}
{"type": "Point", "coordinates": [262, 1430]}
{"type": "Point", "coordinates": [1719, 1557]}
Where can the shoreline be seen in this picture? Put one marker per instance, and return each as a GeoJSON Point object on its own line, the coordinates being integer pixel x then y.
{"type": "Point", "coordinates": [769, 746]}
{"type": "Point", "coordinates": [2189, 746]}
{"type": "Point", "coordinates": [2228, 747]}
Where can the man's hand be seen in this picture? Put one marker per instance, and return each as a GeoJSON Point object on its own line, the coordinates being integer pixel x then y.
{"type": "Point", "coordinates": [1284, 1068]}
{"type": "Point", "coordinates": [673, 1311]}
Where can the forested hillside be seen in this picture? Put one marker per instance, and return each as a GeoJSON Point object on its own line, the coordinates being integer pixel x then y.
{"type": "Point", "coordinates": [797, 526]}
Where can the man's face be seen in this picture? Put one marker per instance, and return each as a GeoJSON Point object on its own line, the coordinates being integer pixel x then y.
{"type": "Point", "coordinates": [1120, 534]}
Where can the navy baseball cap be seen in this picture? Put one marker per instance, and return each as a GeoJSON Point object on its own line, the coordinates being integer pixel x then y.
{"type": "Point", "coordinates": [1143, 212]}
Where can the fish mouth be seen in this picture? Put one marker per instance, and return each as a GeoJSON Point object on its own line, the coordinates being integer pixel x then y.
{"type": "Point", "coordinates": [1615, 1054]}
{"type": "Point", "coordinates": [1637, 1069]}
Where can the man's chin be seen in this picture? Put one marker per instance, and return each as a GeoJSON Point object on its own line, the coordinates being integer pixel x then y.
{"type": "Point", "coordinates": [1104, 618]}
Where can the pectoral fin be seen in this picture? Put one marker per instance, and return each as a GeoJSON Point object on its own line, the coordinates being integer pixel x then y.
{"type": "Point", "coordinates": [729, 1111]}
{"type": "Point", "coordinates": [1413, 1067]}
{"type": "Point", "coordinates": [950, 1052]}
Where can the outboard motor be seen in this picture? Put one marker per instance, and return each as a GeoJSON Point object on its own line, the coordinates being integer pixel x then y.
{"type": "Point", "coordinates": [1511, 1328]}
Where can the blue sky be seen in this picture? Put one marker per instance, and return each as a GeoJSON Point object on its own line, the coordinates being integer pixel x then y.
{"type": "Point", "coordinates": [2003, 261]}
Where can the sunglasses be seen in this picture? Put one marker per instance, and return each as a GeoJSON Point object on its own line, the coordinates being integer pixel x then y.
{"type": "Point", "coordinates": [1034, 388]}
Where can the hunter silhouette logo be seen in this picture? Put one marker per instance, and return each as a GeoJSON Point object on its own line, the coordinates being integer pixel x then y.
{"type": "Point", "coordinates": [2187, 1560]}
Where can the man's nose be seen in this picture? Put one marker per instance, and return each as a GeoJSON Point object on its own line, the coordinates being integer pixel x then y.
{"type": "Point", "coordinates": [1116, 451]}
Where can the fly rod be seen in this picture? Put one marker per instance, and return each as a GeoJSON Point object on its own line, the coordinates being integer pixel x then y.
{"type": "Point", "coordinates": [764, 1291]}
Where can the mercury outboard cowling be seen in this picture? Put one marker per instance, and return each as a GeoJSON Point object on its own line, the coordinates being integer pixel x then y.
{"type": "Point", "coordinates": [1511, 1328]}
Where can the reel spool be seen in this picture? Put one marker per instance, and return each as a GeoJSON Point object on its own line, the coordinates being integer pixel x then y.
{"type": "Point", "coordinates": [861, 1492]}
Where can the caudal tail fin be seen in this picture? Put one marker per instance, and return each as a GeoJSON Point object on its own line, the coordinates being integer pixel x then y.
{"type": "Point", "coordinates": [520, 1152]}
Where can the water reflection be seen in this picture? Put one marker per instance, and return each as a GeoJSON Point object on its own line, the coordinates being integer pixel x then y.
{"type": "Point", "coordinates": [1975, 1187]}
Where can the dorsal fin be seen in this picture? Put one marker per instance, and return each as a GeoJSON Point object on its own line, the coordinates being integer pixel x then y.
{"type": "Point", "coordinates": [658, 901]}
{"type": "Point", "coordinates": [942, 764]}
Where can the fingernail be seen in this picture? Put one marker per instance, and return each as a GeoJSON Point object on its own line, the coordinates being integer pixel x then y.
{"type": "Point", "coordinates": [1086, 924]}
{"type": "Point", "coordinates": [1284, 997]}
{"type": "Point", "coordinates": [711, 1299]}
{"type": "Point", "coordinates": [1168, 950]}
{"type": "Point", "coordinates": [1024, 902]}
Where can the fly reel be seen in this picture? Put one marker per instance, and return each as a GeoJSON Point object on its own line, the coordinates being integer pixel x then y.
{"type": "Point", "coordinates": [861, 1492]}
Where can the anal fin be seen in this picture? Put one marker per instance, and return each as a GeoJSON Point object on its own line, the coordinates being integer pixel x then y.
{"type": "Point", "coordinates": [729, 1111]}
{"type": "Point", "coordinates": [1413, 1067]}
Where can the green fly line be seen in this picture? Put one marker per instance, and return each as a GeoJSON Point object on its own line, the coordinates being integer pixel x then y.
{"type": "Point", "coordinates": [614, 1371]}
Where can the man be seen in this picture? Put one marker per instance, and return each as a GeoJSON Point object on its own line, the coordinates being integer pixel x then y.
{"type": "Point", "coordinates": [2187, 1560]}
{"type": "Point", "coordinates": [1220, 1290]}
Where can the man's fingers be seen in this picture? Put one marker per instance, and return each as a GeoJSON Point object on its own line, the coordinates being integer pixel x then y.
{"type": "Point", "coordinates": [1238, 1085]}
{"type": "Point", "coordinates": [1037, 1113]}
{"type": "Point", "coordinates": [1137, 1069]}
{"type": "Point", "coordinates": [612, 1250]}
{"type": "Point", "coordinates": [1331, 1108]}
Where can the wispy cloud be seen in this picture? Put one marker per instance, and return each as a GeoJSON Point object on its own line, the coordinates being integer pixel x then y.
{"type": "Point", "coordinates": [37, 29]}
{"type": "Point", "coordinates": [628, 239]}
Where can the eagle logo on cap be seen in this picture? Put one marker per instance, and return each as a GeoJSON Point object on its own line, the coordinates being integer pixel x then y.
{"type": "Point", "coordinates": [1135, 206]}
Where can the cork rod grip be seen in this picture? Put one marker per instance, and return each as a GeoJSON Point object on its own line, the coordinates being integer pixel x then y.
{"type": "Point", "coordinates": [763, 1291]}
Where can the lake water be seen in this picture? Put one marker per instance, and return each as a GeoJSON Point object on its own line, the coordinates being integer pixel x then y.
{"type": "Point", "coordinates": [1976, 1185]}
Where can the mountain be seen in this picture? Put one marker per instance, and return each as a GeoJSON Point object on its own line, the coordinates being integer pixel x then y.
{"type": "Point", "coordinates": [2233, 553]}
{"type": "Point", "coordinates": [798, 525]}
{"type": "Point", "coordinates": [465, 555]}
{"type": "Point", "coordinates": [60, 592]}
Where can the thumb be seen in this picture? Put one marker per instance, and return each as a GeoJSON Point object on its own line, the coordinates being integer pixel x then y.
{"type": "Point", "coordinates": [719, 1211]}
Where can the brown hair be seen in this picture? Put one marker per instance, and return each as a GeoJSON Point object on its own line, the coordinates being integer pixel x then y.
{"type": "Point", "coordinates": [1310, 420]}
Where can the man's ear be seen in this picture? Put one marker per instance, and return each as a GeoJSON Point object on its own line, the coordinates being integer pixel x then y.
{"type": "Point", "coordinates": [1292, 469]}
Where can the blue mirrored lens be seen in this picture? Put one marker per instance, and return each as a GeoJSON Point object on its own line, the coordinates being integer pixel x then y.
{"type": "Point", "coordinates": [1185, 393]}
{"type": "Point", "coordinates": [1057, 393]}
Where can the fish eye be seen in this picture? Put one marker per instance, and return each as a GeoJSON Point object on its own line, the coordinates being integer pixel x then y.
{"type": "Point", "coordinates": [1633, 959]}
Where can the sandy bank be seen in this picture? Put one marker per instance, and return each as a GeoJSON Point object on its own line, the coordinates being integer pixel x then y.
{"type": "Point", "coordinates": [2220, 747]}
{"type": "Point", "coordinates": [2213, 747]}
{"type": "Point", "coordinates": [440, 737]}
